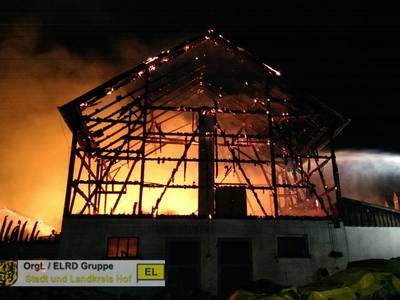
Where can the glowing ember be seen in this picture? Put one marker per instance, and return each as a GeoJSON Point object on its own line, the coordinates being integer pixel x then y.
{"type": "Point", "coordinates": [150, 60]}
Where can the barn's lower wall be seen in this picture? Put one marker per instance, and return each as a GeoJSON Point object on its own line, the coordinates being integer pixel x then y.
{"type": "Point", "coordinates": [86, 239]}
{"type": "Point", "coordinates": [372, 242]}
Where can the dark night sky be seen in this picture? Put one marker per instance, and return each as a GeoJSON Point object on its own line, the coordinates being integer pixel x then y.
{"type": "Point", "coordinates": [346, 55]}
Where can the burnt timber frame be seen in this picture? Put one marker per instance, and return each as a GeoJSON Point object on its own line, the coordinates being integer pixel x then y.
{"type": "Point", "coordinates": [134, 136]}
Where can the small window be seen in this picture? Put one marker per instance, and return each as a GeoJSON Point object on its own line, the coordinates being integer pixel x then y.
{"type": "Point", "coordinates": [292, 246]}
{"type": "Point", "coordinates": [122, 247]}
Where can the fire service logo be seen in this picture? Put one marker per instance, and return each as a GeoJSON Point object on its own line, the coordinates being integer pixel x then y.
{"type": "Point", "coordinates": [8, 272]}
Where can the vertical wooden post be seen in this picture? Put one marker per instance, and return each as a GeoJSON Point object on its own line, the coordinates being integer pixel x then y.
{"type": "Point", "coordinates": [67, 203]}
{"type": "Point", "coordinates": [335, 171]}
{"type": "Point", "coordinates": [144, 133]}
{"type": "Point", "coordinates": [98, 188]}
{"type": "Point", "coordinates": [206, 193]}
{"type": "Point", "coordinates": [272, 151]}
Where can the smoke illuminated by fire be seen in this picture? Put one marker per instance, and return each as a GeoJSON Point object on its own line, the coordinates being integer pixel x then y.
{"type": "Point", "coordinates": [35, 142]}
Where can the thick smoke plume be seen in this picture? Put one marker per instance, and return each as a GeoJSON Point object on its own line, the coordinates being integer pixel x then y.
{"type": "Point", "coordinates": [369, 175]}
{"type": "Point", "coordinates": [35, 143]}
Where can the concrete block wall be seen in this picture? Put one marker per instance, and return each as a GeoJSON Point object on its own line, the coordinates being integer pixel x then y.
{"type": "Point", "coordinates": [86, 236]}
{"type": "Point", "coordinates": [372, 242]}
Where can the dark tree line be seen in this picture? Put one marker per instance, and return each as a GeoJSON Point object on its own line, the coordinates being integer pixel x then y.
{"type": "Point", "coordinates": [18, 232]}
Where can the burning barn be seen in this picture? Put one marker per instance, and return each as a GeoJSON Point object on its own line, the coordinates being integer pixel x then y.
{"type": "Point", "coordinates": [205, 157]}
{"type": "Point", "coordinates": [202, 129]}
{"type": "Point", "coordinates": [194, 156]}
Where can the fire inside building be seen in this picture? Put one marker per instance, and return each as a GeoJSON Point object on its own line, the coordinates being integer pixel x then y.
{"type": "Point", "coordinates": [206, 157]}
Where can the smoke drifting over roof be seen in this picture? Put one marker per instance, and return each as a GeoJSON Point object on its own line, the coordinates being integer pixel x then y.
{"type": "Point", "coordinates": [35, 142]}
{"type": "Point", "coordinates": [369, 175]}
